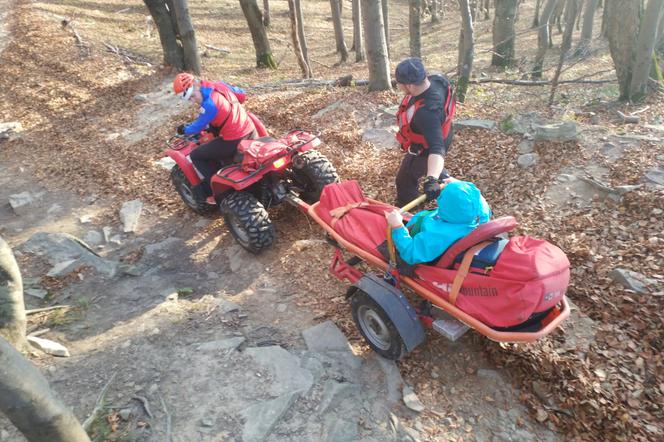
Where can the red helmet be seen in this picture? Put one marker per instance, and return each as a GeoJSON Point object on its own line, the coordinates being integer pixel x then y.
{"type": "Point", "coordinates": [183, 85]}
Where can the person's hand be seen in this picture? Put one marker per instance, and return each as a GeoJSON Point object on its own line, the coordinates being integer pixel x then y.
{"type": "Point", "coordinates": [180, 129]}
{"type": "Point", "coordinates": [394, 218]}
{"type": "Point", "coordinates": [431, 188]}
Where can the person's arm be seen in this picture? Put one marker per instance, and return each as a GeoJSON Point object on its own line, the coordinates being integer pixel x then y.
{"type": "Point", "coordinates": [429, 123]}
{"type": "Point", "coordinates": [204, 118]}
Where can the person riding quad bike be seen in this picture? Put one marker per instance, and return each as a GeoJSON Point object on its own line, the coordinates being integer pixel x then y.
{"type": "Point", "coordinates": [221, 113]}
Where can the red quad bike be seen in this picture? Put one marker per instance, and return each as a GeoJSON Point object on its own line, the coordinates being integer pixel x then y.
{"type": "Point", "coordinates": [507, 289]}
{"type": "Point", "coordinates": [264, 173]}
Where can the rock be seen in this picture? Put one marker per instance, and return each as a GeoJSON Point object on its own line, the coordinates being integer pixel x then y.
{"type": "Point", "coordinates": [93, 238]}
{"type": "Point", "coordinates": [212, 275]}
{"type": "Point", "coordinates": [131, 270]}
{"type": "Point", "coordinates": [380, 137]}
{"type": "Point", "coordinates": [63, 268]}
{"type": "Point", "coordinates": [58, 248]}
{"type": "Point", "coordinates": [340, 429]}
{"type": "Point", "coordinates": [281, 308]}
{"type": "Point", "coordinates": [48, 346]}
{"type": "Point", "coordinates": [171, 295]}
{"type": "Point", "coordinates": [333, 393]}
{"type": "Point", "coordinates": [207, 422]}
{"type": "Point", "coordinates": [129, 215]}
{"type": "Point", "coordinates": [527, 160]}
{"type": "Point", "coordinates": [656, 176]}
{"type": "Point", "coordinates": [21, 202]}
{"type": "Point", "coordinates": [223, 345]}
{"type": "Point", "coordinates": [612, 152]}
{"type": "Point", "coordinates": [116, 239]}
{"type": "Point", "coordinates": [10, 131]}
{"type": "Point", "coordinates": [475, 124]}
{"type": "Point", "coordinates": [393, 379]}
{"type": "Point", "coordinates": [562, 131]}
{"type": "Point", "coordinates": [107, 233]}
{"type": "Point", "coordinates": [85, 219]}
{"type": "Point", "coordinates": [36, 293]}
{"type": "Point", "coordinates": [321, 113]}
{"type": "Point", "coordinates": [242, 261]}
{"type": "Point", "coordinates": [166, 163]}
{"type": "Point", "coordinates": [411, 400]}
{"type": "Point", "coordinates": [125, 413]}
{"type": "Point", "coordinates": [261, 418]}
{"type": "Point", "coordinates": [54, 209]}
{"type": "Point", "coordinates": [526, 146]}
{"type": "Point", "coordinates": [304, 244]}
{"type": "Point", "coordinates": [141, 98]}
{"type": "Point", "coordinates": [325, 337]}
{"type": "Point", "coordinates": [489, 374]}
{"type": "Point", "coordinates": [542, 392]}
{"type": "Point", "coordinates": [632, 280]}
{"type": "Point", "coordinates": [169, 242]}
{"type": "Point", "coordinates": [284, 368]}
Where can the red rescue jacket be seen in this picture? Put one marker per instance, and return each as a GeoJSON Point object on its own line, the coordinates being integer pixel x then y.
{"type": "Point", "coordinates": [231, 120]}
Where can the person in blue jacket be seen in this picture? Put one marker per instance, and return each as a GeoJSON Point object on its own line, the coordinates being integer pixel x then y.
{"type": "Point", "coordinates": [461, 208]}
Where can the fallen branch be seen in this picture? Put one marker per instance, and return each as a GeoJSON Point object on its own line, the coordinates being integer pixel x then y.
{"type": "Point", "coordinates": [629, 119]}
{"type": "Point", "coordinates": [168, 419]}
{"type": "Point", "coordinates": [99, 405]}
{"type": "Point", "coordinates": [127, 55]}
{"type": "Point", "coordinates": [46, 309]}
{"type": "Point", "coordinates": [146, 407]}
{"type": "Point", "coordinates": [83, 46]}
{"type": "Point", "coordinates": [214, 48]}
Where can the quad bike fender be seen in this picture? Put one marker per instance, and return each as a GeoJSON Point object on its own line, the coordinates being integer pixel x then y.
{"type": "Point", "coordinates": [185, 165]}
{"type": "Point", "coordinates": [396, 307]}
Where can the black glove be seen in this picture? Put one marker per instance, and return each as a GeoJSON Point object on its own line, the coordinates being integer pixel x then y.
{"type": "Point", "coordinates": [180, 129]}
{"type": "Point", "coordinates": [431, 188]}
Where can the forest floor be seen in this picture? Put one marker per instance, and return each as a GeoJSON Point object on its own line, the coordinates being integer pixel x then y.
{"type": "Point", "coordinates": [93, 125]}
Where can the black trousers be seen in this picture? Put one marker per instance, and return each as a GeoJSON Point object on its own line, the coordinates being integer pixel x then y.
{"type": "Point", "coordinates": [412, 168]}
{"type": "Point", "coordinates": [208, 157]}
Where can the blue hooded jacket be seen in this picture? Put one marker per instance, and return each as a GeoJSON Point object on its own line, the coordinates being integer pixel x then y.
{"type": "Point", "coordinates": [207, 113]}
{"type": "Point", "coordinates": [461, 208]}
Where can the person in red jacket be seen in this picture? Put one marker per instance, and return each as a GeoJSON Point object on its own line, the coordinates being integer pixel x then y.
{"type": "Point", "coordinates": [221, 112]}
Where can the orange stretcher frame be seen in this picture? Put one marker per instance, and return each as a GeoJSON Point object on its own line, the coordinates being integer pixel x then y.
{"type": "Point", "coordinates": [552, 321]}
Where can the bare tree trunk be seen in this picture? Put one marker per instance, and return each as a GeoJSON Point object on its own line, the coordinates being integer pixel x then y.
{"type": "Point", "coordinates": [171, 48]}
{"type": "Point", "coordinates": [622, 31]}
{"type": "Point", "coordinates": [300, 32]}
{"type": "Point", "coordinates": [342, 50]}
{"type": "Point", "coordinates": [579, 11]}
{"type": "Point", "coordinates": [660, 36]}
{"type": "Point", "coordinates": [536, 16]}
{"type": "Point", "coordinates": [12, 308]}
{"type": "Point", "coordinates": [503, 33]}
{"type": "Point", "coordinates": [292, 13]}
{"type": "Point", "coordinates": [473, 9]}
{"type": "Point", "coordinates": [605, 19]}
{"type": "Point", "coordinates": [466, 50]}
{"type": "Point", "coordinates": [386, 24]}
{"type": "Point", "coordinates": [192, 59]}
{"type": "Point", "coordinates": [645, 46]}
{"type": "Point", "coordinates": [414, 14]}
{"type": "Point", "coordinates": [587, 29]}
{"type": "Point", "coordinates": [543, 37]}
{"type": "Point", "coordinates": [374, 38]}
{"type": "Point", "coordinates": [487, 9]}
{"type": "Point", "coordinates": [558, 16]}
{"type": "Point", "coordinates": [434, 11]}
{"type": "Point", "coordinates": [264, 57]}
{"type": "Point", "coordinates": [570, 18]}
{"type": "Point", "coordinates": [358, 41]}
{"type": "Point", "coordinates": [266, 13]}
{"type": "Point", "coordinates": [28, 401]}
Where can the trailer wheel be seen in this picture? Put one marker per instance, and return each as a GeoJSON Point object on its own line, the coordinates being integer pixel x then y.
{"type": "Point", "coordinates": [376, 327]}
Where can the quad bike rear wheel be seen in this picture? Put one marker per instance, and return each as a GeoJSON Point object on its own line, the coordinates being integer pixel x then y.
{"type": "Point", "coordinates": [376, 326]}
{"type": "Point", "coordinates": [313, 171]}
{"type": "Point", "coordinates": [248, 221]}
{"type": "Point", "coordinates": [191, 195]}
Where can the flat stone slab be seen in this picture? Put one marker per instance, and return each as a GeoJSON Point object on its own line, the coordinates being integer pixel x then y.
{"type": "Point", "coordinates": [48, 346]}
{"type": "Point", "coordinates": [284, 367]}
{"type": "Point", "coordinates": [632, 280]}
{"type": "Point", "coordinates": [381, 137]}
{"type": "Point", "coordinates": [475, 124]}
{"type": "Point", "coordinates": [561, 131]}
{"type": "Point", "coordinates": [527, 160]}
{"type": "Point", "coordinates": [129, 215]}
{"type": "Point", "coordinates": [222, 345]}
{"type": "Point", "coordinates": [59, 248]}
{"type": "Point", "coordinates": [325, 337]}
{"type": "Point", "coordinates": [656, 176]}
{"type": "Point", "coordinates": [261, 418]}
{"type": "Point", "coordinates": [333, 393]}
{"type": "Point", "coordinates": [166, 163]}
{"type": "Point", "coordinates": [411, 400]}
{"type": "Point", "coordinates": [21, 202]}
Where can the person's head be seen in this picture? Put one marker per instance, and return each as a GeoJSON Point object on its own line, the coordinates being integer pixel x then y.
{"type": "Point", "coordinates": [460, 202]}
{"type": "Point", "coordinates": [187, 87]}
{"type": "Point", "coordinates": [410, 75]}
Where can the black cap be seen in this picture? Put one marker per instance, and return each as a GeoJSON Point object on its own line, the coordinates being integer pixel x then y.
{"type": "Point", "coordinates": [410, 71]}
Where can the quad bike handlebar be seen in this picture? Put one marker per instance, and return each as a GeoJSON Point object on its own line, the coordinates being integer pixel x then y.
{"type": "Point", "coordinates": [180, 141]}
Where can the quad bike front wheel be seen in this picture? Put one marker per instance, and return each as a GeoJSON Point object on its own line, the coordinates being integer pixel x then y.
{"type": "Point", "coordinates": [191, 196]}
{"type": "Point", "coordinates": [377, 328]}
{"type": "Point", "coordinates": [313, 171]}
{"type": "Point", "coordinates": [248, 221]}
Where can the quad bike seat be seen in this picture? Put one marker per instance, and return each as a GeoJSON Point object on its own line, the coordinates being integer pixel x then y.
{"type": "Point", "coordinates": [266, 139]}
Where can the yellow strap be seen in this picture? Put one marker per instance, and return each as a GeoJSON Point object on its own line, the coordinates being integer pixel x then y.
{"type": "Point", "coordinates": [463, 270]}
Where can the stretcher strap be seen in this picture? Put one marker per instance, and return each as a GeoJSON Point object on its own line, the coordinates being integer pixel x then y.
{"type": "Point", "coordinates": [342, 210]}
{"type": "Point", "coordinates": [462, 272]}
